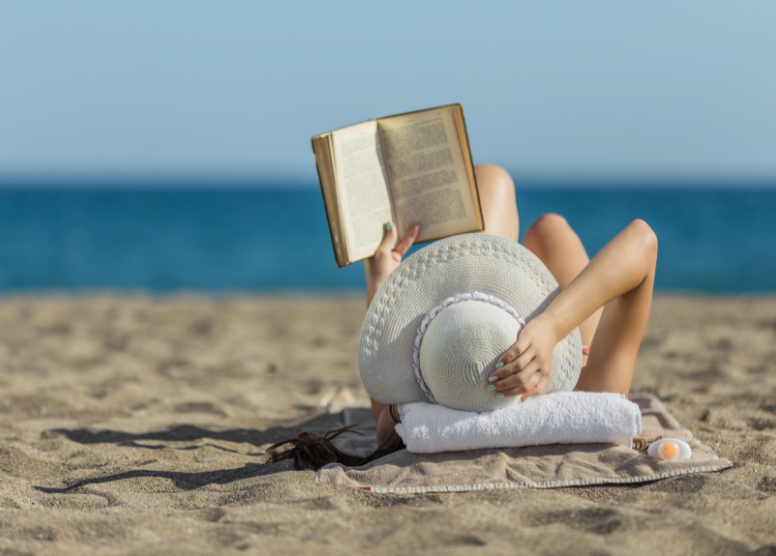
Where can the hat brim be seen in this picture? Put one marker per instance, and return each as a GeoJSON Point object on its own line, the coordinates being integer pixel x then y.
{"type": "Point", "coordinates": [458, 264]}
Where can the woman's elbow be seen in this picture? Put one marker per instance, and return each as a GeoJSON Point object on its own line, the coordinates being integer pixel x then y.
{"type": "Point", "coordinates": [645, 237]}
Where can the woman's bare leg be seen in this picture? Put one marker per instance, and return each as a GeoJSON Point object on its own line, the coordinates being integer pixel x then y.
{"type": "Point", "coordinates": [497, 199]}
{"type": "Point", "coordinates": [558, 246]}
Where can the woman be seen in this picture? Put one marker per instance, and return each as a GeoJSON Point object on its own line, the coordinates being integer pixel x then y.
{"type": "Point", "coordinates": [607, 298]}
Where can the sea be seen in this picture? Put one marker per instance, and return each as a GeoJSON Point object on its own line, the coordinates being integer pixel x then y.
{"type": "Point", "coordinates": [233, 238]}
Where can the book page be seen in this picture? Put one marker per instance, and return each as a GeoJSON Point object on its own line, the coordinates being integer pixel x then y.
{"type": "Point", "coordinates": [428, 177]}
{"type": "Point", "coordinates": [362, 191]}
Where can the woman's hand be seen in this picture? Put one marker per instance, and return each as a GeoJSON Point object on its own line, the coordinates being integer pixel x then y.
{"type": "Point", "coordinates": [387, 257]}
{"type": "Point", "coordinates": [527, 365]}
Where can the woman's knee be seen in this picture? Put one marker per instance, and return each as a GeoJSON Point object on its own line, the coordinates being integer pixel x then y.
{"type": "Point", "coordinates": [497, 199]}
{"type": "Point", "coordinates": [494, 179]}
{"type": "Point", "coordinates": [546, 226]}
{"type": "Point", "coordinates": [645, 236]}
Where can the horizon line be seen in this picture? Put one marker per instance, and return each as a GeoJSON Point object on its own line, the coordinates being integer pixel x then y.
{"type": "Point", "coordinates": [277, 180]}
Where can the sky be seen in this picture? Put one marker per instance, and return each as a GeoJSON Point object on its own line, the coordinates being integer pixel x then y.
{"type": "Point", "coordinates": [551, 90]}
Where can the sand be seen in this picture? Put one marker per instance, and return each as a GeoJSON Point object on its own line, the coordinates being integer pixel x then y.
{"type": "Point", "coordinates": [137, 425]}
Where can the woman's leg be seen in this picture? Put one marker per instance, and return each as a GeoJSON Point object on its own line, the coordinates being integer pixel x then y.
{"type": "Point", "coordinates": [497, 199]}
{"type": "Point", "coordinates": [558, 246]}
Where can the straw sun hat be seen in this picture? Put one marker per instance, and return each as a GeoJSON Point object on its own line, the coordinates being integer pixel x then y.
{"type": "Point", "coordinates": [441, 319]}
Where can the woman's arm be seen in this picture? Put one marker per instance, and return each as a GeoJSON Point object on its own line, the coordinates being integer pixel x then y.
{"type": "Point", "coordinates": [621, 267]}
{"type": "Point", "coordinates": [380, 265]}
{"type": "Point", "coordinates": [387, 257]}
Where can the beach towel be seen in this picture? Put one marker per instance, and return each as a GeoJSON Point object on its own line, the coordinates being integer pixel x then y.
{"type": "Point", "coordinates": [559, 418]}
{"type": "Point", "coordinates": [545, 466]}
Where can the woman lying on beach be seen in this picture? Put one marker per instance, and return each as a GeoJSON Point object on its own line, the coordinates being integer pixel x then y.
{"type": "Point", "coordinates": [607, 298]}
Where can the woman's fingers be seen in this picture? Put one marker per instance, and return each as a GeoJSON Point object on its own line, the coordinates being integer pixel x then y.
{"type": "Point", "coordinates": [512, 393]}
{"type": "Point", "coordinates": [520, 380]}
{"type": "Point", "coordinates": [511, 366]}
{"type": "Point", "coordinates": [390, 236]}
{"type": "Point", "coordinates": [518, 365]}
{"type": "Point", "coordinates": [403, 246]}
{"type": "Point", "coordinates": [523, 360]}
{"type": "Point", "coordinates": [505, 365]}
{"type": "Point", "coordinates": [529, 385]}
{"type": "Point", "coordinates": [536, 390]}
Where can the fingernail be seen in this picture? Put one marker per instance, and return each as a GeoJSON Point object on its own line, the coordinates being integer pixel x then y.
{"type": "Point", "coordinates": [499, 394]}
{"type": "Point", "coordinates": [387, 226]}
{"type": "Point", "coordinates": [491, 387]}
{"type": "Point", "coordinates": [499, 364]}
{"type": "Point", "coordinates": [493, 378]}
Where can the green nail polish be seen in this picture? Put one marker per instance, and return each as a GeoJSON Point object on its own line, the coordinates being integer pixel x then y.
{"type": "Point", "coordinates": [387, 226]}
{"type": "Point", "coordinates": [491, 387]}
{"type": "Point", "coordinates": [499, 394]}
{"type": "Point", "coordinates": [499, 364]}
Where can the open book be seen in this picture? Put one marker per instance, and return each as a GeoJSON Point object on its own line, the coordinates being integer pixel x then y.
{"type": "Point", "coordinates": [409, 168]}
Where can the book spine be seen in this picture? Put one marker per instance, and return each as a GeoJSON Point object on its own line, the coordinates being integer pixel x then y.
{"type": "Point", "coordinates": [333, 232]}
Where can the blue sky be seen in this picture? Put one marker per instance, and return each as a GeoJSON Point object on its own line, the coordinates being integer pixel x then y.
{"type": "Point", "coordinates": [561, 89]}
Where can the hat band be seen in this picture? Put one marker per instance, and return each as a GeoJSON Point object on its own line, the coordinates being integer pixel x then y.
{"type": "Point", "coordinates": [476, 296]}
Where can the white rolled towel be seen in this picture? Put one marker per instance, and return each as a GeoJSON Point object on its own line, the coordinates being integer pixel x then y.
{"type": "Point", "coordinates": [558, 418]}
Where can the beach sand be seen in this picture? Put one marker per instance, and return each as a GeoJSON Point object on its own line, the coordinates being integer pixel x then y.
{"type": "Point", "coordinates": [159, 411]}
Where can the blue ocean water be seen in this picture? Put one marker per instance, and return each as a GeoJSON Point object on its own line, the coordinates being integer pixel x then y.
{"type": "Point", "coordinates": [276, 239]}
